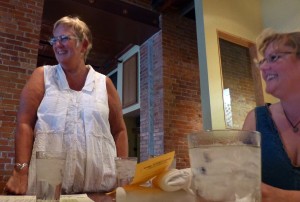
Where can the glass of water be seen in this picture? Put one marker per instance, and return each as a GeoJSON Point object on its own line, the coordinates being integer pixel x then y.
{"type": "Point", "coordinates": [125, 170]}
{"type": "Point", "coordinates": [50, 166]}
{"type": "Point", "coordinates": [226, 165]}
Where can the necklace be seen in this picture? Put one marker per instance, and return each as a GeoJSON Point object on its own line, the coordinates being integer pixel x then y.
{"type": "Point", "coordinates": [295, 127]}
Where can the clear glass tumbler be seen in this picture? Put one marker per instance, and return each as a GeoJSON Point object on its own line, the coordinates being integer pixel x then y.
{"type": "Point", "coordinates": [226, 165]}
{"type": "Point", "coordinates": [125, 170]}
{"type": "Point", "coordinates": [50, 166]}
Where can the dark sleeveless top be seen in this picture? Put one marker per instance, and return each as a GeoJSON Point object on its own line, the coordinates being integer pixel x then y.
{"type": "Point", "coordinates": [277, 169]}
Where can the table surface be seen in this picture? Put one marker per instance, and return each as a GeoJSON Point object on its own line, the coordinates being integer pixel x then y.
{"type": "Point", "coordinates": [177, 196]}
{"type": "Point", "coordinates": [97, 197]}
{"type": "Point", "coordinates": [102, 197]}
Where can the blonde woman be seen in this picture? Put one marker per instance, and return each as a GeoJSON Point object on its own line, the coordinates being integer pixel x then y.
{"type": "Point", "coordinates": [279, 123]}
{"type": "Point", "coordinates": [69, 107]}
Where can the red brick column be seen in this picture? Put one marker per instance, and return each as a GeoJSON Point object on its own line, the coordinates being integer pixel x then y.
{"type": "Point", "coordinates": [175, 107]}
{"type": "Point", "coordinates": [181, 86]}
{"type": "Point", "coordinates": [20, 25]}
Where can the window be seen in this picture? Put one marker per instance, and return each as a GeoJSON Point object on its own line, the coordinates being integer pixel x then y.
{"type": "Point", "coordinates": [127, 79]}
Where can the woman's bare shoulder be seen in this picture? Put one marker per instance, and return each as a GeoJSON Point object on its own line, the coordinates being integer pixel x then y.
{"type": "Point", "coordinates": [250, 122]}
{"type": "Point", "coordinates": [35, 85]}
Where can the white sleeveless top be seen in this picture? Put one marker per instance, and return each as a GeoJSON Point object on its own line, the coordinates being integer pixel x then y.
{"type": "Point", "coordinates": [76, 122]}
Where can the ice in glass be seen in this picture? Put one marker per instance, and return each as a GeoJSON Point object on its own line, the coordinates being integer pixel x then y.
{"type": "Point", "coordinates": [226, 165]}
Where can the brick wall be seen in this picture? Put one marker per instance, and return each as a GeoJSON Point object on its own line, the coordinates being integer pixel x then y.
{"type": "Point", "coordinates": [19, 35]}
{"type": "Point", "coordinates": [175, 107]}
{"type": "Point", "coordinates": [237, 76]}
{"type": "Point", "coordinates": [182, 106]}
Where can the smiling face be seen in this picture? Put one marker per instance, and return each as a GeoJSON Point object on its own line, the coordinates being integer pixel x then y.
{"type": "Point", "coordinates": [68, 52]}
{"type": "Point", "coordinates": [280, 70]}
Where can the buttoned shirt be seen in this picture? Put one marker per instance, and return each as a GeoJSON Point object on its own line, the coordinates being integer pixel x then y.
{"type": "Point", "coordinates": [76, 122]}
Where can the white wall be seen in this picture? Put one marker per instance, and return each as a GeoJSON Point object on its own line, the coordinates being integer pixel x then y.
{"type": "Point", "coordinates": [281, 15]}
{"type": "Point", "coordinates": [241, 18]}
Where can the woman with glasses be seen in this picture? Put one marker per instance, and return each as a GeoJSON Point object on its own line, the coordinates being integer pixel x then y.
{"type": "Point", "coordinates": [279, 123]}
{"type": "Point", "coordinates": [69, 107]}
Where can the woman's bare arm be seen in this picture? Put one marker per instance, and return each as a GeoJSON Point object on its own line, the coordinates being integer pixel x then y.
{"type": "Point", "coordinates": [31, 96]}
{"type": "Point", "coordinates": [117, 124]}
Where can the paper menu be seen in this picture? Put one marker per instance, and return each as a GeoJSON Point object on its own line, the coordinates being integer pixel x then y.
{"type": "Point", "coordinates": [152, 167]}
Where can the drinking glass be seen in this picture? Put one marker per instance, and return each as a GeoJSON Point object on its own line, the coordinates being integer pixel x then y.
{"type": "Point", "coordinates": [226, 165]}
{"type": "Point", "coordinates": [50, 167]}
{"type": "Point", "coordinates": [125, 170]}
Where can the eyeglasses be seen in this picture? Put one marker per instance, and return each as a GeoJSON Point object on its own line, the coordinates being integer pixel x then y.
{"type": "Point", "coordinates": [273, 58]}
{"type": "Point", "coordinates": [62, 39]}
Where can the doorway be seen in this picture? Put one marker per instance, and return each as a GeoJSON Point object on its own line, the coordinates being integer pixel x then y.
{"type": "Point", "coordinates": [242, 90]}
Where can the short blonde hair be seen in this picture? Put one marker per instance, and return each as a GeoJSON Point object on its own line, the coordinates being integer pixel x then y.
{"type": "Point", "coordinates": [268, 36]}
{"type": "Point", "coordinates": [80, 28]}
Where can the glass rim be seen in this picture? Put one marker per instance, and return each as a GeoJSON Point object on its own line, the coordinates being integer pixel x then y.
{"type": "Point", "coordinates": [224, 130]}
{"type": "Point", "coordinates": [125, 158]}
{"type": "Point", "coordinates": [50, 154]}
{"type": "Point", "coordinates": [224, 138]}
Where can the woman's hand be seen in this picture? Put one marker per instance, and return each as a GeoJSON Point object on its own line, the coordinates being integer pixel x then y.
{"type": "Point", "coordinates": [17, 183]}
